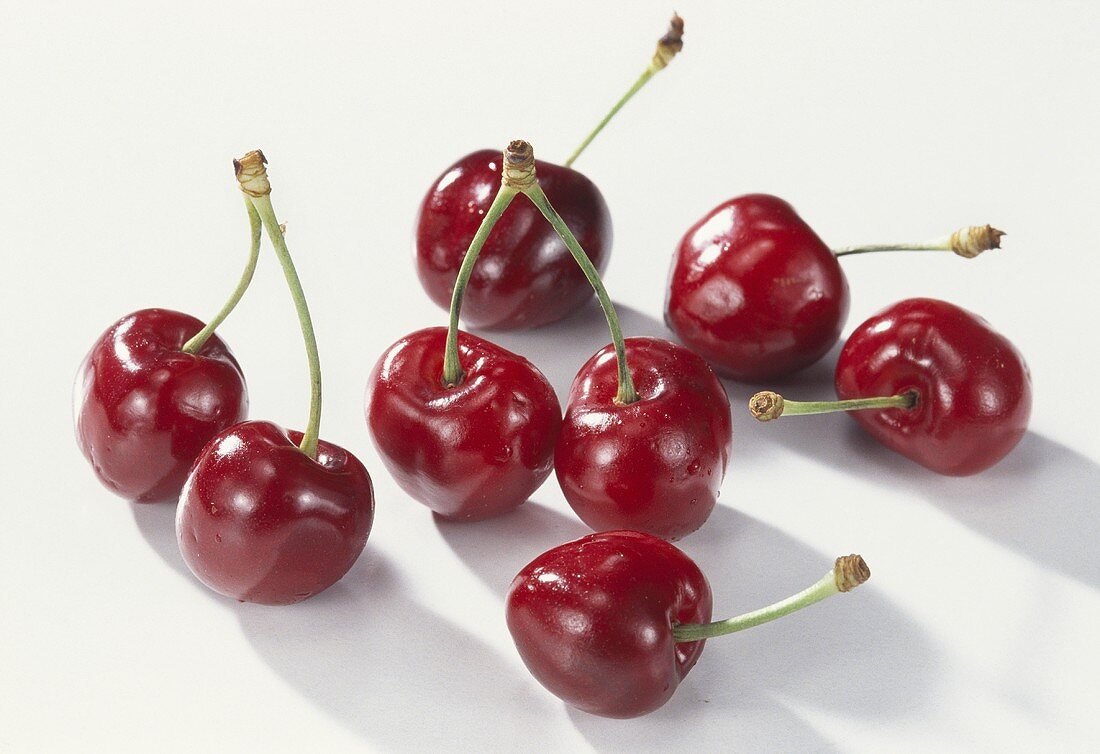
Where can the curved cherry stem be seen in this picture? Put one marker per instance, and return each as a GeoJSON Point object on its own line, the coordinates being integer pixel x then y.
{"type": "Point", "coordinates": [767, 405]}
{"type": "Point", "coordinates": [452, 369]}
{"type": "Point", "coordinates": [667, 47]}
{"type": "Point", "coordinates": [966, 242]}
{"type": "Point", "coordinates": [849, 572]}
{"type": "Point", "coordinates": [626, 392]}
{"type": "Point", "coordinates": [198, 340]}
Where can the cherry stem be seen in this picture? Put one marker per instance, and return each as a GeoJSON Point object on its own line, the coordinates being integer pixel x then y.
{"type": "Point", "coordinates": [626, 392]}
{"type": "Point", "coordinates": [198, 340]}
{"type": "Point", "coordinates": [766, 405]}
{"type": "Point", "coordinates": [252, 176]}
{"type": "Point", "coordinates": [667, 47]}
{"type": "Point", "coordinates": [966, 242]}
{"type": "Point", "coordinates": [452, 369]}
{"type": "Point", "coordinates": [848, 572]}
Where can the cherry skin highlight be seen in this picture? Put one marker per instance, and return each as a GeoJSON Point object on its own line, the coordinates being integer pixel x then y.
{"type": "Point", "coordinates": [525, 276]}
{"type": "Point", "coordinates": [654, 465]}
{"type": "Point", "coordinates": [144, 409]}
{"type": "Point", "coordinates": [754, 291]}
{"type": "Point", "coordinates": [471, 451]}
{"type": "Point", "coordinates": [260, 521]}
{"type": "Point", "coordinates": [973, 387]}
{"type": "Point", "coordinates": [592, 620]}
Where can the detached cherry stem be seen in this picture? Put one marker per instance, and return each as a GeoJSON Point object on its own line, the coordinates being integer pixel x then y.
{"type": "Point", "coordinates": [767, 405]}
{"type": "Point", "coordinates": [848, 572]}
{"type": "Point", "coordinates": [966, 242]}
{"type": "Point", "coordinates": [252, 175]}
{"type": "Point", "coordinates": [667, 47]}
{"type": "Point", "coordinates": [198, 340]}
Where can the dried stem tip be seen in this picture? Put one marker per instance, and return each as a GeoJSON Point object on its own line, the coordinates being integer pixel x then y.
{"type": "Point", "coordinates": [850, 571]}
{"type": "Point", "coordinates": [972, 241]}
{"type": "Point", "coordinates": [766, 405]}
{"type": "Point", "coordinates": [252, 173]}
{"type": "Point", "coordinates": [670, 44]}
{"type": "Point", "coordinates": [519, 165]}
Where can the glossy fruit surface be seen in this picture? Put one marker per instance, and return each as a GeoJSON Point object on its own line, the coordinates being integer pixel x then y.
{"type": "Point", "coordinates": [654, 465]}
{"type": "Point", "coordinates": [974, 389]}
{"type": "Point", "coordinates": [525, 276]}
{"type": "Point", "coordinates": [468, 452]}
{"type": "Point", "coordinates": [592, 620]}
{"type": "Point", "coordinates": [144, 409]}
{"type": "Point", "coordinates": [262, 522]}
{"type": "Point", "coordinates": [754, 291]}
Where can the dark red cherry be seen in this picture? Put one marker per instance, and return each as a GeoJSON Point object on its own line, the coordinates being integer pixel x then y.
{"type": "Point", "coordinates": [260, 521]}
{"type": "Point", "coordinates": [754, 291]}
{"type": "Point", "coordinates": [471, 451]}
{"type": "Point", "coordinates": [525, 276]}
{"type": "Point", "coordinates": [972, 387]}
{"type": "Point", "coordinates": [593, 621]}
{"type": "Point", "coordinates": [656, 464]}
{"type": "Point", "coordinates": [144, 409]}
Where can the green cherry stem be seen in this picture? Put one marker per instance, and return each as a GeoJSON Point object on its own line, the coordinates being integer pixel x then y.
{"type": "Point", "coordinates": [252, 175]}
{"type": "Point", "coordinates": [667, 47]}
{"type": "Point", "coordinates": [966, 242]}
{"type": "Point", "coordinates": [766, 405]}
{"type": "Point", "coordinates": [519, 171]}
{"type": "Point", "coordinates": [452, 369]}
{"type": "Point", "coordinates": [848, 572]}
{"type": "Point", "coordinates": [198, 340]}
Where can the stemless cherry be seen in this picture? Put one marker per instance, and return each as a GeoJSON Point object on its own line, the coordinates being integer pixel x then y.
{"type": "Point", "coordinates": [655, 464]}
{"type": "Point", "coordinates": [931, 381]}
{"type": "Point", "coordinates": [611, 623]}
{"type": "Point", "coordinates": [759, 295]}
{"type": "Point", "coordinates": [267, 515]}
{"type": "Point", "coordinates": [527, 278]}
{"type": "Point", "coordinates": [474, 450]}
{"type": "Point", "coordinates": [145, 408]}
{"type": "Point", "coordinates": [154, 389]}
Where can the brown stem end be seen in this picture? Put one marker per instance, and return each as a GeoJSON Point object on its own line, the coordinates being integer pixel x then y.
{"type": "Point", "coordinates": [251, 173]}
{"type": "Point", "coordinates": [972, 241]}
{"type": "Point", "coordinates": [670, 44]}
{"type": "Point", "coordinates": [766, 405]}
{"type": "Point", "coordinates": [850, 571]}
{"type": "Point", "coordinates": [519, 165]}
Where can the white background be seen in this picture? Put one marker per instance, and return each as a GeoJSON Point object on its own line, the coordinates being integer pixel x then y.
{"type": "Point", "coordinates": [878, 121]}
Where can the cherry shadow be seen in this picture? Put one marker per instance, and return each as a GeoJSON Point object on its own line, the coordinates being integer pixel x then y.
{"type": "Point", "coordinates": [156, 523]}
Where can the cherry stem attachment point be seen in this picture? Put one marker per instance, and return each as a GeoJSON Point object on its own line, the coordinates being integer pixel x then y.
{"type": "Point", "coordinates": [667, 47]}
{"type": "Point", "coordinates": [198, 340]}
{"type": "Point", "coordinates": [966, 242]}
{"type": "Point", "coordinates": [252, 175]}
{"type": "Point", "coordinates": [766, 405]}
{"type": "Point", "coordinates": [848, 572]}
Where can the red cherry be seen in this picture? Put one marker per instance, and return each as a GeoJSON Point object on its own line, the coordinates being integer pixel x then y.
{"type": "Point", "coordinates": [471, 451]}
{"type": "Point", "coordinates": [525, 276]}
{"type": "Point", "coordinates": [260, 521]}
{"type": "Point", "coordinates": [972, 387]}
{"type": "Point", "coordinates": [144, 408]}
{"type": "Point", "coordinates": [593, 620]}
{"type": "Point", "coordinates": [755, 291]}
{"type": "Point", "coordinates": [655, 464]}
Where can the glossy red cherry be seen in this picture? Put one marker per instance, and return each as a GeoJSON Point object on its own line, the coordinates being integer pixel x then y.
{"type": "Point", "coordinates": [593, 621]}
{"type": "Point", "coordinates": [755, 291]}
{"type": "Point", "coordinates": [656, 464]}
{"type": "Point", "coordinates": [972, 387]}
{"type": "Point", "coordinates": [471, 451]}
{"type": "Point", "coordinates": [261, 521]}
{"type": "Point", "coordinates": [144, 408]}
{"type": "Point", "coordinates": [525, 276]}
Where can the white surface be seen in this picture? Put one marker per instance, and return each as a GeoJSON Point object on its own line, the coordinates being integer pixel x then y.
{"type": "Point", "coordinates": [879, 121]}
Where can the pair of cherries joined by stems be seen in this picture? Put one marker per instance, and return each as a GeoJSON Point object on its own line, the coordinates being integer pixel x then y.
{"type": "Point", "coordinates": [265, 515]}
{"type": "Point", "coordinates": [471, 430]}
